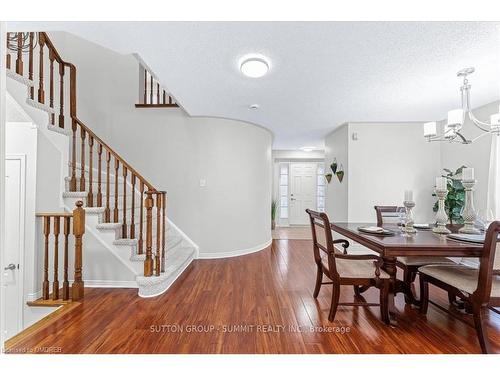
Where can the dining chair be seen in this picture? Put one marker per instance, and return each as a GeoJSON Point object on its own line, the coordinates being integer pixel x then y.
{"type": "Point", "coordinates": [345, 269]}
{"type": "Point", "coordinates": [478, 287]}
{"type": "Point", "coordinates": [409, 265]}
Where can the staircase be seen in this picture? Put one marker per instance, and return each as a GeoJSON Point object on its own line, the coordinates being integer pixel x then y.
{"type": "Point", "coordinates": [123, 210]}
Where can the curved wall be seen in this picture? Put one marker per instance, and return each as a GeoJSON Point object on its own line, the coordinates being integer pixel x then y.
{"type": "Point", "coordinates": [231, 214]}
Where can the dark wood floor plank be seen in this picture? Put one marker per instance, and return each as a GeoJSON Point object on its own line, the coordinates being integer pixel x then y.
{"type": "Point", "coordinates": [272, 288]}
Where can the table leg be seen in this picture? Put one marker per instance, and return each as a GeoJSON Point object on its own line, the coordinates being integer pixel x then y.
{"type": "Point", "coordinates": [389, 266]}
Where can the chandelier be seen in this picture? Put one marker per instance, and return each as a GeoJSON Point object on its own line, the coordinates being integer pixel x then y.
{"type": "Point", "coordinates": [21, 41]}
{"type": "Point", "coordinates": [452, 131]}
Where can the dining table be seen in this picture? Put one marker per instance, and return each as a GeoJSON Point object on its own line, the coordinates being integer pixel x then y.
{"type": "Point", "coordinates": [400, 244]}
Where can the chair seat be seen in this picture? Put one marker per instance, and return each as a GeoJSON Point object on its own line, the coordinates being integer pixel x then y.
{"type": "Point", "coordinates": [355, 269]}
{"type": "Point", "coordinates": [423, 261]}
{"type": "Point", "coordinates": [461, 277]}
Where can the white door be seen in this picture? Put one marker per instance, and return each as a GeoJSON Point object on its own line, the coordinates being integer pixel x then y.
{"type": "Point", "coordinates": [14, 245]}
{"type": "Point", "coordinates": [302, 191]}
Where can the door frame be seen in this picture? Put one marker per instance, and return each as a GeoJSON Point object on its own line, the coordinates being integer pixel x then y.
{"type": "Point", "coordinates": [290, 190]}
{"type": "Point", "coordinates": [22, 240]}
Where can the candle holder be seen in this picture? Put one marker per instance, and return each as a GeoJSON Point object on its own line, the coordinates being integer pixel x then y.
{"type": "Point", "coordinates": [469, 213]}
{"type": "Point", "coordinates": [441, 217]}
{"type": "Point", "coordinates": [408, 228]}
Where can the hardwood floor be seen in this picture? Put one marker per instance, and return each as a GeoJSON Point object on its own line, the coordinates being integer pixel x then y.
{"type": "Point", "coordinates": [292, 233]}
{"type": "Point", "coordinates": [267, 295]}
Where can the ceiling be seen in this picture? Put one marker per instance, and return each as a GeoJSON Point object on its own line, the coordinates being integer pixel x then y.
{"type": "Point", "coordinates": [322, 73]}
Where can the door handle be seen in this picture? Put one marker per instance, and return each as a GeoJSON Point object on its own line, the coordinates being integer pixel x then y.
{"type": "Point", "coordinates": [11, 266]}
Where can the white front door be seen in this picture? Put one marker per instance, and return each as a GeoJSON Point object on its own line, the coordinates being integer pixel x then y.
{"type": "Point", "coordinates": [14, 243]}
{"type": "Point", "coordinates": [302, 191]}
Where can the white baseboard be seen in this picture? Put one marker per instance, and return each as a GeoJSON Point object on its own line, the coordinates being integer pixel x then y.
{"type": "Point", "coordinates": [110, 284]}
{"type": "Point", "coordinates": [34, 296]}
{"type": "Point", "coordinates": [235, 253]}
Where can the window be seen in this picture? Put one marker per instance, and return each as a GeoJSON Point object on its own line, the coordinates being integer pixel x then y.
{"type": "Point", "coordinates": [283, 191]}
{"type": "Point", "coordinates": [321, 187]}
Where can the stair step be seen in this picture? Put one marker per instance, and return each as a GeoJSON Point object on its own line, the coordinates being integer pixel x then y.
{"type": "Point", "coordinates": [40, 302]}
{"type": "Point", "coordinates": [171, 241]}
{"type": "Point", "coordinates": [125, 242]}
{"type": "Point", "coordinates": [155, 285]}
{"type": "Point", "coordinates": [94, 210]}
{"type": "Point", "coordinates": [109, 226]}
{"type": "Point", "coordinates": [75, 194]}
{"type": "Point", "coordinates": [138, 257]}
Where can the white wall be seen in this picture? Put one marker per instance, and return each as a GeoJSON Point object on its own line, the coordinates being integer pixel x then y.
{"type": "Point", "coordinates": [476, 155]}
{"type": "Point", "coordinates": [174, 152]}
{"type": "Point", "coordinates": [336, 147]}
{"type": "Point", "coordinates": [384, 161]}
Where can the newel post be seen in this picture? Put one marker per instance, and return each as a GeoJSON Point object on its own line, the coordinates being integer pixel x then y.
{"type": "Point", "coordinates": [78, 231]}
{"type": "Point", "coordinates": [148, 262]}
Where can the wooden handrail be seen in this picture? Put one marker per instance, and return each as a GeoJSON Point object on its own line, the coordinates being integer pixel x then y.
{"type": "Point", "coordinates": [87, 150]}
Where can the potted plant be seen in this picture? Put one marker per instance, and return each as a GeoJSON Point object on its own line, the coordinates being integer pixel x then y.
{"type": "Point", "coordinates": [274, 209]}
{"type": "Point", "coordinates": [455, 199]}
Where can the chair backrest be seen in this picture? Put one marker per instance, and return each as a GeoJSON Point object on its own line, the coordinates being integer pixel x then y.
{"type": "Point", "coordinates": [387, 214]}
{"type": "Point", "coordinates": [322, 238]}
{"type": "Point", "coordinates": [487, 262]}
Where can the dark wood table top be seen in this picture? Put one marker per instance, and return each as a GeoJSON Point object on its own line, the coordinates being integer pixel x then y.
{"type": "Point", "coordinates": [423, 243]}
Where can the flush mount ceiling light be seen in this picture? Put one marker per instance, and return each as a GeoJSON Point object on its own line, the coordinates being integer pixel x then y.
{"type": "Point", "coordinates": [307, 148]}
{"type": "Point", "coordinates": [254, 66]}
{"type": "Point", "coordinates": [253, 106]}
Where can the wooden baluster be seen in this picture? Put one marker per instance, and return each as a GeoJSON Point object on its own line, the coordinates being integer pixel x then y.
{"type": "Point", "coordinates": [46, 233]}
{"type": "Point", "coordinates": [55, 282]}
{"type": "Point", "coordinates": [82, 159]}
{"type": "Point", "coordinates": [151, 90]}
{"type": "Point", "coordinates": [115, 211]}
{"type": "Point", "coordinates": [132, 214]}
{"type": "Point", "coordinates": [99, 177]}
{"type": "Point", "coordinates": [107, 210]}
{"type": "Point", "coordinates": [30, 64]}
{"type": "Point", "coordinates": [72, 90]}
{"type": "Point", "coordinates": [51, 84]}
{"type": "Point", "coordinates": [65, 288]}
{"type": "Point", "coordinates": [158, 234]}
{"type": "Point", "coordinates": [41, 93]}
{"type": "Point", "coordinates": [124, 208]}
{"type": "Point", "coordinates": [141, 220]}
{"type": "Point", "coordinates": [61, 95]}
{"type": "Point", "coordinates": [72, 184]}
{"type": "Point", "coordinates": [78, 231]}
{"type": "Point", "coordinates": [19, 60]}
{"type": "Point", "coordinates": [145, 86]}
{"type": "Point", "coordinates": [8, 61]}
{"type": "Point", "coordinates": [90, 196]}
{"type": "Point", "coordinates": [169, 99]}
{"type": "Point", "coordinates": [164, 206]}
{"type": "Point", "coordinates": [157, 93]}
{"type": "Point", "coordinates": [164, 97]}
{"type": "Point", "coordinates": [148, 262]}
